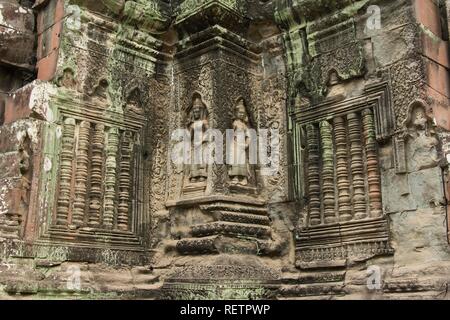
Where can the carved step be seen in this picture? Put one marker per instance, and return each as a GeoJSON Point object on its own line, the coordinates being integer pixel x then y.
{"type": "Point", "coordinates": [247, 218]}
{"type": "Point", "coordinates": [231, 228]}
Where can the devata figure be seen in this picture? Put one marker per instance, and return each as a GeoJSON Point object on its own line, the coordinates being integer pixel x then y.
{"type": "Point", "coordinates": [423, 145]}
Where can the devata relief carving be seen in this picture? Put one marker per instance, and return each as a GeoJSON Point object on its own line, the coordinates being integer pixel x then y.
{"type": "Point", "coordinates": [222, 149]}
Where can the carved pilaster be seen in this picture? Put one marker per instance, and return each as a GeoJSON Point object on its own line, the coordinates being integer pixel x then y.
{"type": "Point", "coordinates": [81, 174]}
{"type": "Point", "coordinates": [373, 173]}
{"type": "Point", "coordinates": [343, 184]}
{"type": "Point", "coordinates": [124, 181]}
{"type": "Point", "coordinates": [68, 139]}
{"type": "Point", "coordinates": [357, 167]}
{"type": "Point", "coordinates": [313, 174]}
{"type": "Point", "coordinates": [327, 172]}
{"type": "Point", "coordinates": [98, 144]}
{"type": "Point", "coordinates": [110, 180]}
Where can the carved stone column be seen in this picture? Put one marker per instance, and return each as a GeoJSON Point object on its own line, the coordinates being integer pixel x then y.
{"type": "Point", "coordinates": [219, 67]}
{"type": "Point", "coordinates": [124, 181]}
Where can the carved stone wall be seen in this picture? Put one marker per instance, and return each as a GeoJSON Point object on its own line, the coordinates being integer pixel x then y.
{"type": "Point", "coordinates": [91, 93]}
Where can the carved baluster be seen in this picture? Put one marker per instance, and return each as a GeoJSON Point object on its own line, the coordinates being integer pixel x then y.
{"type": "Point", "coordinates": [81, 174]}
{"type": "Point", "coordinates": [359, 199]}
{"type": "Point", "coordinates": [313, 174]}
{"type": "Point", "coordinates": [327, 172]}
{"type": "Point", "coordinates": [343, 184]}
{"type": "Point", "coordinates": [68, 141]}
{"type": "Point", "coordinates": [124, 181]}
{"type": "Point", "coordinates": [373, 173]}
{"type": "Point", "coordinates": [98, 143]}
{"type": "Point", "coordinates": [110, 181]}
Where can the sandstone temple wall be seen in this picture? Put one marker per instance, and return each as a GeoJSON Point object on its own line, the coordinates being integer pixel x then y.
{"type": "Point", "coordinates": [93, 206]}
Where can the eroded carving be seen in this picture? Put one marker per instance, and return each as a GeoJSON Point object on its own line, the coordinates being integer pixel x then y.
{"type": "Point", "coordinates": [421, 139]}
